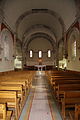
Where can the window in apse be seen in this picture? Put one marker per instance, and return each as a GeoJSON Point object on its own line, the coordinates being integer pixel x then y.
{"type": "Point", "coordinates": [31, 53]}
{"type": "Point", "coordinates": [49, 53]}
{"type": "Point", "coordinates": [40, 54]}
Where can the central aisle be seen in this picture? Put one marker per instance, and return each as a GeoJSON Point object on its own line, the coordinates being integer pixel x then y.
{"type": "Point", "coordinates": [40, 104]}
{"type": "Point", "coordinates": [40, 109]}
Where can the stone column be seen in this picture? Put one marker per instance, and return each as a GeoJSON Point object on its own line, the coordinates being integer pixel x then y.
{"type": "Point", "coordinates": [1, 17]}
{"type": "Point", "coordinates": [57, 56]}
{"type": "Point", "coordinates": [65, 46]}
{"type": "Point", "coordinates": [23, 58]}
{"type": "Point", "coordinates": [14, 54]}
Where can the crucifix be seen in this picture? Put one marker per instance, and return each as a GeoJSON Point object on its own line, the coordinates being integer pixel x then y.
{"type": "Point", "coordinates": [1, 49]}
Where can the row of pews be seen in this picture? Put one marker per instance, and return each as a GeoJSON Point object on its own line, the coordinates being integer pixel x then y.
{"type": "Point", "coordinates": [14, 90]}
{"type": "Point", "coordinates": [65, 86]}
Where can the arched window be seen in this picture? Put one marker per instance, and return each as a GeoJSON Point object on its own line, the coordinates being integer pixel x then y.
{"type": "Point", "coordinates": [40, 54]}
{"type": "Point", "coordinates": [6, 48]}
{"type": "Point", "coordinates": [31, 53]}
{"type": "Point", "coordinates": [49, 53]}
{"type": "Point", "coordinates": [74, 49]}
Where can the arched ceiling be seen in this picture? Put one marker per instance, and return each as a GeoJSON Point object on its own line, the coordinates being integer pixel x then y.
{"type": "Point", "coordinates": [65, 8]}
{"type": "Point", "coordinates": [22, 15]}
{"type": "Point", "coordinates": [39, 35]}
{"type": "Point", "coordinates": [39, 29]}
{"type": "Point", "coordinates": [41, 17]}
{"type": "Point", "coordinates": [37, 44]}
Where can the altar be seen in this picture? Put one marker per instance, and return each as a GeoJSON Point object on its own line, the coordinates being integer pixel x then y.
{"type": "Point", "coordinates": [40, 67]}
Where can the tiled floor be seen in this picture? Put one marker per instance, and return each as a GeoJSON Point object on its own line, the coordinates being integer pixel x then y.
{"type": "Point", "coordinates": [42, 106]}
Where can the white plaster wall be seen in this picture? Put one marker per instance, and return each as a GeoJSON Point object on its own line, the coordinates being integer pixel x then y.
{"type": "Point", "coordinates": [6, 65]}
{"type": "Point", "coordinates": [74, 64]}
{"type": "Point", "coordinates": [40, 44]}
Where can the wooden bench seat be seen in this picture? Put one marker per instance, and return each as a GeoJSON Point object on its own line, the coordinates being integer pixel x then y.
{"type": "Point", "coordinates": [69, 100]}
{"type": "Point", "coordinates": [72, 115]}
{"type": "Point", "coordinates": [56, 83]}
{"type": "Point", "coordinates": [57, 78]}
{"type": "Point", "coordinates": [4, 113]}
{"type": "Point", "coordinates": [66, 87]}
{"type": "Point", "coordinates": [13, 82]}
{"type": "Point", "coordinates": [63, 76]}
{"type": "Point", "coordinates": [75, 114]}
{"type": "Point", "coordinates": [10, 78]}
{"type": "Point", "coordinates": [66, 78]}
{"type": "Point", "coordinates": [12, 100]}
{"type": "Point", "coordinates": [19, 75]}
{"type": "Point", "coordinates": [13, 87]}
{"type": "Point", "coordinates": [77, 111]}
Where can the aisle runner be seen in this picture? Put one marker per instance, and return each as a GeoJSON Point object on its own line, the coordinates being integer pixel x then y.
{"type": "Point", "coordinates": [40, 109]}
{"type": "Point", "coordinates": [40, 105]}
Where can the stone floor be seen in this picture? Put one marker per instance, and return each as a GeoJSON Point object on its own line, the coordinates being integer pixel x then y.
{"type": "Point", "coordinates": [40, 104]}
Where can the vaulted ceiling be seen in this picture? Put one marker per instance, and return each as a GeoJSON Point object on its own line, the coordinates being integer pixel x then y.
{"type": "Point", "coordinates": [33, 18]}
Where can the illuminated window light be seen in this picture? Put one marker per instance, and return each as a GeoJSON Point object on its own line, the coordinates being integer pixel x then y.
{"type": "Point", "coordinates": [74, 49]}
{"type": "Point", "coordinates": [49, 53]}
{"type": "Point", "coordinates": [31, 54]}
{"type": "Point", "coordinates": [40, 54]}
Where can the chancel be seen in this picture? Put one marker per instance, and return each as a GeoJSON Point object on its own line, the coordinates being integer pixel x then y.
{"type": "Point", "coordinates": [39, 59]}
{"type": "Point", "coordinates": [40, 67]}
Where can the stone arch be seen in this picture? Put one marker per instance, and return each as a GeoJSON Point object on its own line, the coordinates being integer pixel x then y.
{"type": "Point", "coordinates": [72, 36]}
{"type": "Point", "coordinates": [40, 26]}
{"type": "Point", "coordinates": [50, 37]}
{"type": "Point", "coordinates": [73, 30]}
{"type": "Point", "coordinates": [43, 35]}
{"type": "Point", "coordinates": [48, 11]}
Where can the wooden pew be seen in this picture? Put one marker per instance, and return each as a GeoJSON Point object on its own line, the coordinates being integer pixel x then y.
{"type": "Point", "coordinates": [65, 74]}
{"type": "Point", "coordinates": [19, 82]}
{"type": "Point", "coordinates": [77, 111]}
{"type": "Point", "coordinates": [4, 113]}
{"type": "Point", "coordinates": [19, 75]}
{"type": "Point", "coordinates": [12, 100]}
{"type": "Point", "coordinates": [75, 114]}
{"type": "Point", "coordinates": [62, 77]}
{"type": "Point", "coordinates": [67, 84]}
{"type": "Point", "coordinates": [69, 100]}
{"type": "Point", "coordinates": [14, 87]}
{"type": "Point", "coordinates": [16, 79]}
{"type": "Point", "coordinates": [16, 82]}
{"type": "Point", "coordinates": [59, 82]}
{"type": "Point", "coordinates": [65, 78]}
{"type": "Point", "coordinates": [66, 87]}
